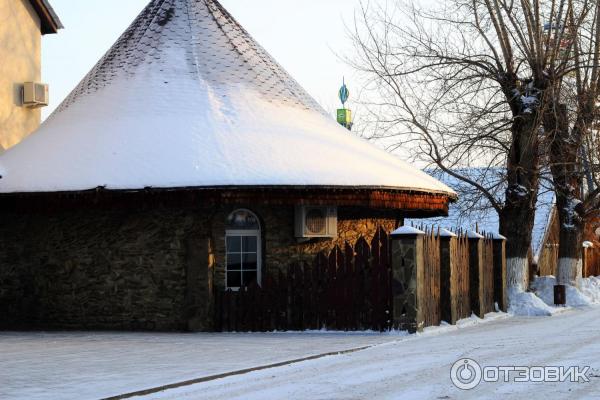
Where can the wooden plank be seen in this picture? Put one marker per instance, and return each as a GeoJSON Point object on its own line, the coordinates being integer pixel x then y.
{"type": "Point", "coordinates": [487, 278]}
{"type": "Point", "coordinates": [362, 282]}
{"type": "Point", "coordinates": [431, 302]}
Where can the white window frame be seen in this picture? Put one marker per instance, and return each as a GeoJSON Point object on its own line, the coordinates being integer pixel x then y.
{"type": "Point", "coordinates": [246, 232]}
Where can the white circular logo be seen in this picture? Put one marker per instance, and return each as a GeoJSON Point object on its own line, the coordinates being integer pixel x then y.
{"type": "Point", "coordinates": [465, 374]}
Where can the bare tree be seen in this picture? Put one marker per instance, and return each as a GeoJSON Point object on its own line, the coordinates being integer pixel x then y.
{"type": "Point", "coordinates": [464, 84]}
{"type": "Point", "coordinates": [572, 109]}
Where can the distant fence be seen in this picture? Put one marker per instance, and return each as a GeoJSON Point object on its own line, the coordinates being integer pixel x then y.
{"type": "Point", "coordinates": [590, 261]}
{"type": "Point", "coordinates": [399, 281]}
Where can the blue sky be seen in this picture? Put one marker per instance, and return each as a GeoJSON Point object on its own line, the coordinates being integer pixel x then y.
{"type": "Point", "coordinates": [303, 35]}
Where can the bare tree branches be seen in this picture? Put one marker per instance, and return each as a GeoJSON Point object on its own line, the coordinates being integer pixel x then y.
{"type": "Point", "coordinates": [486, 83]}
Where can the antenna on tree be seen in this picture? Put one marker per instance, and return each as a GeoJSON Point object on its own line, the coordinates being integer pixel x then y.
{"type": "Point", "coordinates": [344, 115]}
{"type": "Point", "coordinates": [344, 93]}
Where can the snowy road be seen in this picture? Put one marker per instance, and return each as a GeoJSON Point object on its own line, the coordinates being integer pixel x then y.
{"type": "Point", "coordinates": [40, 366]}
{"type": "Point", "coordinates": [93, 365]}
{"type": "Point", "coordinates": [418, 367]}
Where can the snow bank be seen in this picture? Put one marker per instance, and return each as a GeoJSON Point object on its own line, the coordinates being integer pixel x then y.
{"type": "Point", "coordinates": [543, 286]}
{"type": "Point", "coordinates": [527, 304]}
{"type": "Point", "coordinates": [325, 331]}
{"type": "Point", "coordinates": [473, 320]}
{"type": "Point", "coordinates": [590, 287]}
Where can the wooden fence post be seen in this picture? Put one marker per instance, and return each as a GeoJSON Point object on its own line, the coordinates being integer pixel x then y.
{"type": "Point", "coordinates": [500, 271]}
{"type": "Point", "coordinates": [447, 270]}
{"type": "Point", "coordinates": [476, 272]}
{"type": "Point", "coordinates": [587, 253]}
{"type": "Point", "coordinates": [584, 261]}
{"type": "Point", "coordinates": [408, 267]}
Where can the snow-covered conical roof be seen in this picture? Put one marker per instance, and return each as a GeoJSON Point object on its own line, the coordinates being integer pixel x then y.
{"type": "Point", "coordinates": [186, 98]}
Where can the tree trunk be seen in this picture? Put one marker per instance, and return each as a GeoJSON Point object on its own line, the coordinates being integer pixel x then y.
{"type": "Point", "coordinates": [517, 246]}
{"type": "Point", "coordinates": [567, 179]}
{"type": "Point", "coordinates": [567, 182]}
{"type": "Point", "coordinates": [518, 214]}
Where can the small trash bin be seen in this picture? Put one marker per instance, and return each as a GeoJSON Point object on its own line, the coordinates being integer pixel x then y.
{"type": "Point", "coordinates": [560, 297]}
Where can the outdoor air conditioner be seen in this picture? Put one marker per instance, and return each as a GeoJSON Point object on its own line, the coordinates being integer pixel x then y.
{"type": "Point", "coordinates": [316, 222]}
{"type": "Point", "coordinates": [35, 94]}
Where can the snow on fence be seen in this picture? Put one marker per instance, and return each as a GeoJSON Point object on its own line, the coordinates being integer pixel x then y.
{"type": "Point", "coordinates": [407, 280]}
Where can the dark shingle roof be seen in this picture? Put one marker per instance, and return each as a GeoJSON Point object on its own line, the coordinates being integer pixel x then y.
{"type": "Point", "coordinates": [218, 50]}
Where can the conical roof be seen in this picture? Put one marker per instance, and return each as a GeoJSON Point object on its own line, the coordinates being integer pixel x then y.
{"type": "Point", "coordinates": [186, 98]}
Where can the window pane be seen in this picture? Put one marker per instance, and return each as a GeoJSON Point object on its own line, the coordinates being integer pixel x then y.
{"type": "Point", "coordinates": [234, 262]}
{"type": "Point", "coordinates": [249, 244]}
{"type": "Point", "coordinates": [234, 279]}
{"type": "Point", "coordinates": [234, 244]}
{"type": "Point", "coordinates": [249, 261]}
{"type": "Point", "coordinates": [249, 277]}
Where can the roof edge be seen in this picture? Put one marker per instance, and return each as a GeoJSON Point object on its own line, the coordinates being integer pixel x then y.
{"type": "Point", "coordinates": [452, 197]}
{"type": "Point", "coordinates": [50, 23]}
{"type": "Point", "coordinates": [412, 204]}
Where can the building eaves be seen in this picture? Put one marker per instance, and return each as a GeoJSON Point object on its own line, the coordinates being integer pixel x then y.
{"type": "Point", "coordinates": [50, 23]}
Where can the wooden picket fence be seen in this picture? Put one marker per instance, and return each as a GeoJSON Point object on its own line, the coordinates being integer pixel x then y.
{"type": "Point", "coordinates": [347, 289]}
{"type": "Point", "coordinates": [432, 285]}
{"type": "Point", "coordinates": [351, 288]}
{"type": "Point", "coordinates": [487, 278]}
{"type": "Point", "coordinates": [461, 302]}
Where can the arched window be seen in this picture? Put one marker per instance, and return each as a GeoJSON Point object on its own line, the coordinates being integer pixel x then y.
{"type": "Point", "coordinates": [243, 249]}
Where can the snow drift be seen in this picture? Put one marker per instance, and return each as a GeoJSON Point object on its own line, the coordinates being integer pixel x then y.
{"type": "Point", "coordinates": [589, 294]}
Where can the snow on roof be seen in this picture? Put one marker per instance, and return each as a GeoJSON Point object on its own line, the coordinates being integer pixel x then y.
{"type": "Point", "coordinates": [186, 98]}
{"type": "Point", "coordinates": [472, 210]}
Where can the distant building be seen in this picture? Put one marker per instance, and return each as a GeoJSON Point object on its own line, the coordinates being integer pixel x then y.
{"type": "Point", "coordinates": [22, 24]}
{"type": "Point", "coordinates": [187, 161]}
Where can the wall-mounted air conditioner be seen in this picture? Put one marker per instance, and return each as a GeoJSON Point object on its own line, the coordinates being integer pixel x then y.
{"type": "Point", "coordinates": [35, 94]}
{"type": "Point", "coordinates": [316, 222]}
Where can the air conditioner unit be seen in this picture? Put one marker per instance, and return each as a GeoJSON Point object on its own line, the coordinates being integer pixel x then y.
{"type": "Point", "coordinates": [316, 222]}
{"type": "Point", "coordinates": [35, 94]}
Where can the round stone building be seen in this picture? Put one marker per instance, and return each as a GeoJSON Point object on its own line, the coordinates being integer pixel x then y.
{"type": "Point", "coordinates": [186, 161]}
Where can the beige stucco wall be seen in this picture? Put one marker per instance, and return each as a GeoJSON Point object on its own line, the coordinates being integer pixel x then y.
{"type": "Point", "coordinates": [20, 61]}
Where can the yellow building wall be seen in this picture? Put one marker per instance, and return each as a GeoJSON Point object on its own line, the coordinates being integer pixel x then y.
{"type": "Point", "coordinates": [20, 61]}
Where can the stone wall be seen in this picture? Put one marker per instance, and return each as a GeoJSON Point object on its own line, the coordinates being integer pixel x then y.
{"type": "Point", "coordinates": [139, 268]}
{"type": "Point", "coordinates": [99, 269]}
